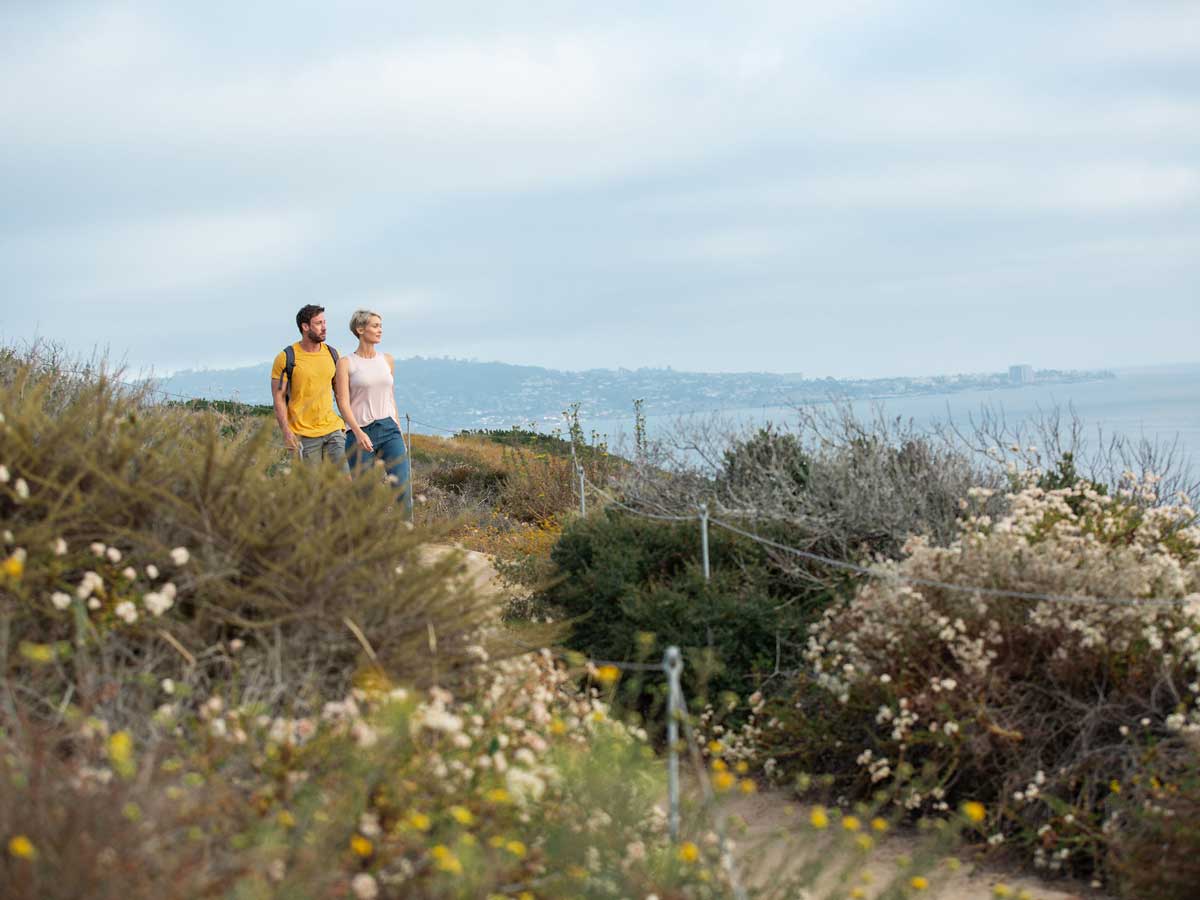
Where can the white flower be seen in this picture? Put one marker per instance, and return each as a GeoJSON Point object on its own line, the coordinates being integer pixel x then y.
{"type": "Point", "coordinates": [157, 603]}
{"type": "Point", "coordinates": [152, 573]}
{"type": "Point", "coordinates": [93, 603]}
{"type": "Point", "coordinates": [180, 556]}
{"type": "Point", "coordinates": [21, 488]}
{"type": "Point", "coordinates": [168, 686]}
{"type": "Point", "coordinates": [9, 537]}
{"type": "Point", "coordinates": [276, 869]}
{"type": "Point", "coordinates": [168, 590]}
{"type": "Point", "coordinates": [4, 476]}
{"type": "Point", "coordinates": [60, 600]}
{"type": "Point", "coordinates": [524, 785]}
{"type": "Point", "coordinates": [129, 573]}
{"type": "Point", "coordinates": [364, 886]}
{"type": "Point", "coordinates": [127, 612]}
{"type": "Point", "coordinates": [236, 644]}
{"type": "Point", "coordinates": [113, 554]}
{"type": "Point", "coordinates": [97, 548]}
{"type": "Point", "coordinates": [90, 583]}
{"type": "Point", "coordinates": [59, 547]}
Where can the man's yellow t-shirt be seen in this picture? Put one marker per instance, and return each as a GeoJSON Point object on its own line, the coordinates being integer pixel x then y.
{"type": "Point", "coordinates": [310, 406]}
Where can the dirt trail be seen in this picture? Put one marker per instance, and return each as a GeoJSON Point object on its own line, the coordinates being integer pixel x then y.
{"type": "Point", "coordinates": [775, 821]}
{"type": "Point", "coordinates": [778, 826]}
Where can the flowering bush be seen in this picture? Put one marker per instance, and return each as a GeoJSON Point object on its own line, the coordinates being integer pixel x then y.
{"type": "Point", "coordinates": [1044, 709]}
{"type": "Point", "coordinates": [530, 788]}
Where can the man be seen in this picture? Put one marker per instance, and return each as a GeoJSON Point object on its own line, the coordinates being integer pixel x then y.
{"type": "Point", "coordinates": [304, 395]}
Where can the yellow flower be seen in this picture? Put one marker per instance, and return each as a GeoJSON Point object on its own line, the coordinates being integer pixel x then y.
{"type": "Point", "coordinates": [285, 819]}
{"type": "Point", "coordinates": [1114, 786]}
{"type": "Point", "coordinates": [723, 781]}
{"type": "Point", "coordinates": [37, 653]}
{"type": "Point", "coordinates": [498, 795]}
{"type": "Point", "coordinates": [525, 895]}
{"type": "Point", "coordinates": [878, 824]}
{"type": "Point", "coordinates": [718, 765]}
{"type": "Point", "coordinates": [974, 811]}
{"type": "Point", "coordinates": [579, 873]}
{"type": "Point", "coordinates": [516, 848]}
{"type": "Point", "coordinates": [360, 846]}
{"type": "Point", "coordinates": [608, 674]}
{"type": "Point", "coordinates": [851, 823]}
{"type": "Point", "coordinates": [419, 821]}
{"type": "Point", "coordinates": [818, 817]}
{"type": "Point", "coordinates": [21, 847]}
{"type": "Point", "coordinates": [496, 841]}
{"type": "Point", "coordinates": [742, 767]}
{"type": "Point", "coordinates": [120, 753]}
{"type": "Point", "coordinates": [688, 852]}
{"type": "Point", "coordinates": [715, 747]}
{"type": "Point", "coordinates": [445, 861]}
{"type": "Point", "coordinates": [558, 726]}
{"type": "Point", "coordinates": [864, 841]}
{"type": "Point", "coordinates": [857, 893]}
{"type": "Point", "coordinates": [919, 882]}
{"type": "Point", "coordinates": [1000, 889]}
{"type": "Point", "coordinates": [1025, 894]}
{"type": "Point", "coordinates": [746, 786]}
{"type": "Point", "coordinates": [14, 567]}
{"type": "Point", "coordinates": [462, 815]}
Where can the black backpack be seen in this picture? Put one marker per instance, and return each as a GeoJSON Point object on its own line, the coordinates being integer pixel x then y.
{"type": "Point", "coordinates": [289, 363]}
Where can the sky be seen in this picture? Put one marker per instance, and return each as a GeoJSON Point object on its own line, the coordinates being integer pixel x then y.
{"type": "Point", "coordinates": [861, 188]}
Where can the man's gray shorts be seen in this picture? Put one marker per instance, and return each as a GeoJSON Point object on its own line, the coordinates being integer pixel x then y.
{"type": "Point", "coordinates": [330, 446]}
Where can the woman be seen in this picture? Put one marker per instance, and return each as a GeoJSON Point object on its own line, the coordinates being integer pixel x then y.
{"type": "Point", "coordinates": [364, 383]}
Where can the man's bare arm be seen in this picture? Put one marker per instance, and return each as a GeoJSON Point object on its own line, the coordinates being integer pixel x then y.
{"type": "Point", "coordinates": [289, 439]}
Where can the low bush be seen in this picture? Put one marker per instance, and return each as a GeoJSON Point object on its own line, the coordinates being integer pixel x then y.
{"type": "Point", "coordinates": [632, 586]}
{"type": "Point", "coordinates": [1046, 710]}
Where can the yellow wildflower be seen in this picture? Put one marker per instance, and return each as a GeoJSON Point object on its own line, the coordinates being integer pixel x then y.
{"type": "Point", "coordinates": [579, 873]}
{"type": "Point", "coordinates": [37, 653]}
{"type": "Point", "coordinates": [360, 846]}
{"type": "Point", "coordinates": [285, 819]}
{"type": "Point", "coordinates": [498, 795]}
{"type": "Point", "coordinates": [746, 786]}
{"type": "Point", "coordinates": [1114, 786]}
{"type": "Point", "coordinates": [14, 567]}
{"type": "Point", "coordinates": [120, 753]}
{"type": "Point", "coordinates": [525, 895]}
{"type": "Point", "coordinates": [974, 811]}
{"type": "Point", "coordinates": [462, 815]}
{"type": "Point", "coordinates": [857, 893]}
{"type": "Point", "coordinates": [1025, 894]}
{"type": "Point", "coordinates": [878, 824]}
{"type": "Point", "coordinates": [718, 765]}
{"type": "Point", "coordinates": [688, 852]}
{"type": "Point", "coordinates": [715, 747]}
{"type": "Point", "coordinates": [864, 841]}
{"type": "Point", "coordinates": [445, 861]}
{"type": "Point", "coordinates": [608, 674]}
{"type": "Point", "coordinates": [919, 883]}
{"type": "Point", "coordinates": [723, 781]}
{"type": "Point", "coordinates": [558, 726]}
{"type": "Point", "coordinates": [1000, 889]}
{"type": "Point", "coordinates": [496, 841]}
{"type": "Point", "coordinates": [818, 817]}
{"type": "Point", "coordinates": [742, 767]}
{"type": "Point", "coordinates": [851, 823]}
{"type": "Point", "coordinates": [516, 848]}
{"type": "Point", "coordinates": [21, 847]}
{"type": "Point", "coordinates": [419, 821]}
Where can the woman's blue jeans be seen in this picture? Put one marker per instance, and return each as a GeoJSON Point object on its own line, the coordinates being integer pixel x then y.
{"type": "Point", "coordinates": [389, 448]}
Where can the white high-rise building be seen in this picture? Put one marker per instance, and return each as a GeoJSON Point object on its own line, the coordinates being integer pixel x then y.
{"type": "Point", "coordinates": [1020, 374]}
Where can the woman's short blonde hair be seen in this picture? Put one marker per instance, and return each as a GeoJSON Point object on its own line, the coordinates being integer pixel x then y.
{"type": "Point", "coordinates": [359, 320]}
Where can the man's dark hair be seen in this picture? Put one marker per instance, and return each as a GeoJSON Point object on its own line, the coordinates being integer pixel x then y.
{"type": "Point", "coordinates": [306, 314]}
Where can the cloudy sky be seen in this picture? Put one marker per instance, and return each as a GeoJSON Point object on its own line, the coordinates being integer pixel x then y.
{"type": "Point", "coordinates": [854, 188]}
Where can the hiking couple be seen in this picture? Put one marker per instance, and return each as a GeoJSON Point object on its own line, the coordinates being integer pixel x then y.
{"type": "Point", "coordinates": [368, 430]}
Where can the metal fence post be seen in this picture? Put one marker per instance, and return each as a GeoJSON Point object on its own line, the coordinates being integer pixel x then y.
{"type": "Point", "coordinates": [673, 665]}
{"type": "Point", "coordinates": [704, 538]}
{"type": "Point", "coordinates": [582, 498]}
{"type": "Point", "coordinates": [408, 488]}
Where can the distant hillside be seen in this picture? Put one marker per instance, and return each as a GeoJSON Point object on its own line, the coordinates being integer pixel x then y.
{"type": "Point", "coordinates": [458, 393]}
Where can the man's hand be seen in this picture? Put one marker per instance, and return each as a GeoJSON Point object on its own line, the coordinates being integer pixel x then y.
{"type": "Point", "coordinates": [290, 441]}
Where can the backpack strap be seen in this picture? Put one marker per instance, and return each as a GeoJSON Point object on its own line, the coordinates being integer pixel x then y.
{"type": "Point", "coordinates": [289, 364]}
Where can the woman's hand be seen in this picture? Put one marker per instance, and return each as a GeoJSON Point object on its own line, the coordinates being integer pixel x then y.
{"type": "Point", "coordinates": [364, 442]}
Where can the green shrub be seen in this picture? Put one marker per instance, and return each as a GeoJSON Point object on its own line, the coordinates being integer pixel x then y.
{"type": "Point", "coordinates": [633, 586]}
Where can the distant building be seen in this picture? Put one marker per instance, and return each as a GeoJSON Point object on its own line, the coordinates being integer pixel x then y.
{"type": "Point", "coordinates": [1020, 374]}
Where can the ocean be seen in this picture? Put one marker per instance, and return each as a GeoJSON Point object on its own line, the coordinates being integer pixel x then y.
{"type": "Point", "coordinates": [1159, 403]}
